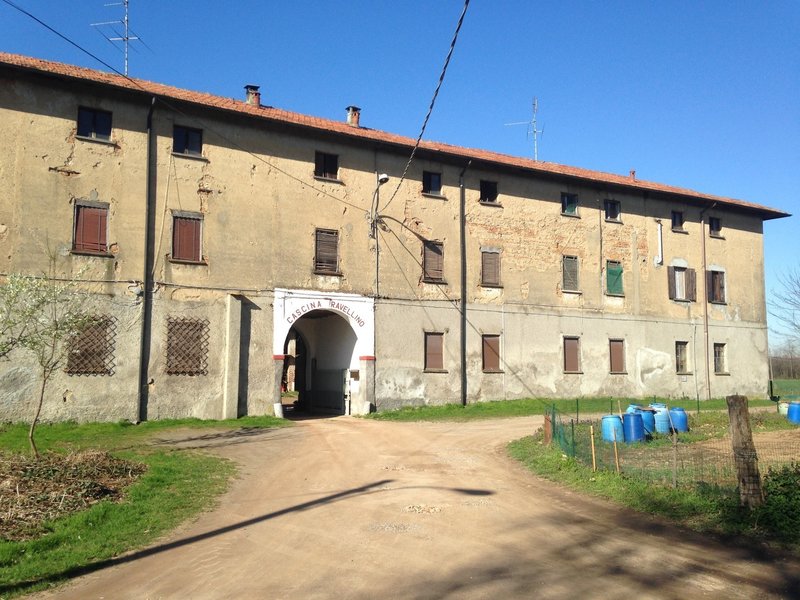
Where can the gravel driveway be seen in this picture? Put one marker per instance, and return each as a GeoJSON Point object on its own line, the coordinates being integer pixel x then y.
{"type": "Point", "coordinates": [351, 508]}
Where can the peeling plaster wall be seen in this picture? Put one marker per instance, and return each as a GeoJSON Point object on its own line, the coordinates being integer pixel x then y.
{"type": "Point", "coordinates": [260, 202]}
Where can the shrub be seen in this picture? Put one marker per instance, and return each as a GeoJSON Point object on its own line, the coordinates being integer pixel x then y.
{"type": "Point", "coordinates": [780, 513]}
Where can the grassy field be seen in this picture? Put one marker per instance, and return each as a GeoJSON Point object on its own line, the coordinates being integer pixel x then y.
{"type": "Point", "coordinates": [786, 387]}
{"type": "Point", "coordinates": [176, 486]}
{"type": "Point", "coordinates": [536, 406]}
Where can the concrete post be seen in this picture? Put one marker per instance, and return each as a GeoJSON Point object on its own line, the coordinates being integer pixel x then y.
{"type": "Point", "coordinates": [368, 383]}
{"type": "Point", "coordinates": [277, 406]}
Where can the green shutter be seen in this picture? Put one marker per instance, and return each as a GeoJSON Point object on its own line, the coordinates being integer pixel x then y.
{"type": "Point", "coordinates": [614, 277]}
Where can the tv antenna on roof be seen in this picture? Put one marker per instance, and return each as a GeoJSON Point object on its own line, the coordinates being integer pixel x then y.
{"type": "Point", "coordinates": [532, 131]}
{"type": "Point", "coordinates": [123, 36]}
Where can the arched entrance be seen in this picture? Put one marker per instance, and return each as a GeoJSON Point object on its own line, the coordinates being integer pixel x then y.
{"type": "Point", "coordinates": [328, 340]}
{"type": "Point", "coordinates": [323, 357]}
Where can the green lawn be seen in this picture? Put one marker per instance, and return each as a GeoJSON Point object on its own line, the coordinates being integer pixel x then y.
{"type": "Point", "coordinates": [786, 387]}
{"type": "Point", "coordinates": [177, 485]}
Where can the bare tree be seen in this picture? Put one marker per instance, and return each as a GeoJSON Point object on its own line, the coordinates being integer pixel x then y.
{"type": "Point", "coordinates": [785, 304]}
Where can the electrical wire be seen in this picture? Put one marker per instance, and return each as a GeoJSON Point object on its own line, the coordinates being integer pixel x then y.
{"type": "Point", "coordinates": [174, 108]}
{"type": "Point", "coordinates": [433, 101]}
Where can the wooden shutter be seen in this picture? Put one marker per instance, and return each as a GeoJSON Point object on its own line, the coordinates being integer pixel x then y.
{"type": "Point", "coordinates": [434, 357]}
{"type": "Point", "coordinates": [490, 268]}
{"type": "Point", "coordinates": [90, 228]}
{"type": "Point", "coordinates": [433, 261]}
{"type": "Point", "coordinates": [614, 277]}
{"type": "Point", "coordinates": [186, 238]}
{"type": "Point", "coordinates": [326, 259]}
{"type": "Point", "coordinates": [570, 272]}
{"type": "Point", "coordinates": [617, 354]}
{"type": "Point", "coordinates": [691, 285]}
{"type": "Point", "coordinates": [671, 282]}
{"type": "Point", "coordinates": [491, 352]}
{"type": "Point", "coordinates": [572, 363]}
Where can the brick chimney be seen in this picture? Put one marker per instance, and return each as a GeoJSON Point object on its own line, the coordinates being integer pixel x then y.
{"type": "Point", "coordinates": [353, 115]}
{"type": "Point", "coordinates": [253, 96]}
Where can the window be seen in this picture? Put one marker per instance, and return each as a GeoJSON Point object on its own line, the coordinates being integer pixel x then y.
{"type": "Point", "coordinates": [186, 237]}
{"type": "Point", "coordinates": [431, 183]}
{"type": "Point", "coordinates": [613, 210]}
{"type": "Point", "coordinates": [677, 220]}
{"type": "Point", "coordinates": [682, 284]}
{"type": "Point", "coordinates": [614, 278]}
{"type": "Point", "coordinates": [490, 268]}
{"type": "Point", "coordinates": [720, 364]}
{"type": "Point", "coordinates": [433, 262]}
{"type": "Point", "coordinates": [187, 346]}
{"type": "Point", "coordinates": [94, 124]}
{"type": "Point", "coordinates": [91, 350]}
{"type": "Point", "coordinates": [714, 227]}
{"type": "Point", "coordinates": [616, 353]}
{"type": "Point", "coordinates": [434, 351]}
{"type": "Point", "coordinates": [326, 165]}
{"type": "Point", "coordinates": [491, 353]}
{"type": "Point", "coordinates": [572, 355]}
{"type": "Point", "coordinates": [326, 253]}
{"type": "Point", "coordinates": [569, 268]}
{"type": "Point", "coordinates": [682, 357]}
{"type": "Point", "coordinates": [569, 204]}
{"type": "Point", "coordinates": [90, 228]}
{"type": "Point", "coordinates": [716, 286]}
{"type": "Point", "coordinates": [488, 192]}
{"type": "Point", "coordinates": [186, 140]}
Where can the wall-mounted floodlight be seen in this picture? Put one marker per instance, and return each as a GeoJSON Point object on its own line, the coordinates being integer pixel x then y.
{"type": "Point", "coordinates": [382, 178]}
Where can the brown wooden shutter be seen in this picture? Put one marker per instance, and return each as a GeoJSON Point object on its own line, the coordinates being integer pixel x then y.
{"type": "Point", "coordinates": [186, 239]}
{"type": "Point", "coordinates": [90, 228]}
{"type": "Point", "coordinates": [491, 352]}
{"type": "Point", "coordinates": [433, 261]}
{"type": "Point", "coordinates": [571, 355]}
{"type": "Point", "coordinates": [617, 354]}
{"type": "Point", "coordinates": [671, 282]}
{"type": "Point", "coordinates": [434, 358]}
{"type": "Point", "coordinates": [326, 259]}
{"type": "Point", "coordinates": [691, 285]}
{"type": "Point", "coordinates": [490, 268]}
{"type": "Point", "coordinates": [570, 269]}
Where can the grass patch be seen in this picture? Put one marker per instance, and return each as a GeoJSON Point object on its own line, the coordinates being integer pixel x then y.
{"type": "Point", "coordinates": [536, 406]}
{"type": "Point", "coordinates": [177, 485]}
{"type": "Point", "coordinates": [786, 387]}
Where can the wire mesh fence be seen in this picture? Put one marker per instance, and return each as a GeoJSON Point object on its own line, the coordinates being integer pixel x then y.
{"type": "Point", "coordinates": [675, 460]}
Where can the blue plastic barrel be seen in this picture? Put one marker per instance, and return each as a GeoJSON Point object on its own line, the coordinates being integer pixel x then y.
{"type": "Point", "coordinates": [632, 408]}
{"type": "Point", "coordinates": [633, 427]}
{"type": "Point", "coordinates": [648, 420]}
{"type": "Point", "coordinates": [612, 428]}
{"type": "Point", "coordinates": [794, 412]}
{"type": "Point", "coordinates": [679, 419]}
{"type": "Point", "coordinates": [661, 417]}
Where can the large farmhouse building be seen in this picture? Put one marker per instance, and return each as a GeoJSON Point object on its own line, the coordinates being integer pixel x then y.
{"type": "Point", "coordinates": [232, 249]}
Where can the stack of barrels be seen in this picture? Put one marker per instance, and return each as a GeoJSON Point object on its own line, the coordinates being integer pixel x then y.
{"type": "Point", "coordinates": [639, 423]}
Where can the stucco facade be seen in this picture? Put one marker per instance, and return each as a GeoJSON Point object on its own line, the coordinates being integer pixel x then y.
{"type": "Point", "coordinates": [286, 228]}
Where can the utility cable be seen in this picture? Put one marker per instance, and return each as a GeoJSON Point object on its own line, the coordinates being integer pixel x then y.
{"type": "Point", "coordinates": [170, 106]}
{"type": "Point", "coordinates": [433, 101]}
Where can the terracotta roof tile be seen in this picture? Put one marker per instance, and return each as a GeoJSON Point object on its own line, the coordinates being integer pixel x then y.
{"type": "Point", "coordinates": [341, 127]}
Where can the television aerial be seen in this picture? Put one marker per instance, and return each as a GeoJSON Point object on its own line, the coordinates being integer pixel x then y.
{"type": "Point", "coordinates": [532, 130]}
{"type": "Point", "coordinates": [110, 30]}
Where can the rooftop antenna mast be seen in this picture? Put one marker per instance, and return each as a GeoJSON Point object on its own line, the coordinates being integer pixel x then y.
{"type": "Point", "coordinates": [533, 130]}
{"type": "Point", "coordinates": [125, 36]}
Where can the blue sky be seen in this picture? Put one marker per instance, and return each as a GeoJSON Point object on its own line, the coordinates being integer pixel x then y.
{"type": "Point", "coordinates": [704, 95]}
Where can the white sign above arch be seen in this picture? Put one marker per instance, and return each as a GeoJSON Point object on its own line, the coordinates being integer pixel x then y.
{"type": "Point", "coordinates": [291, 305]}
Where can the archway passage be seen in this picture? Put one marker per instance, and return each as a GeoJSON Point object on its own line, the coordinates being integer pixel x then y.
{"type": "Point", "coordinates": [319, 363]}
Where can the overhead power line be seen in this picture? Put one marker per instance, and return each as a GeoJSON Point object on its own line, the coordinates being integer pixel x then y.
{"type": "Point", "coordinates": [433, 101]}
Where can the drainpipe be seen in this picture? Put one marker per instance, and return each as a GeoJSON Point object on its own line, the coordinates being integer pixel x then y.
{"type": "Point", "coordinates": [705, 298]}
{"type": "Point", "coordinates": [659, 260]}
{"type": "Point", "coordinates": [463, 235]}
{"type": "Point", "coordinates": [147, 278]}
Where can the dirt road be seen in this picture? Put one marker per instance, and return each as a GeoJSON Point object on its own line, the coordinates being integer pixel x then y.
{"type": "Point", "coordinates": [348, 508]}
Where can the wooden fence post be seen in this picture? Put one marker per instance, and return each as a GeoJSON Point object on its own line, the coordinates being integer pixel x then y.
{"type": "Point", "coordinates": [548, 429]}
{"type": "Point", "coordinates": [744, 453]}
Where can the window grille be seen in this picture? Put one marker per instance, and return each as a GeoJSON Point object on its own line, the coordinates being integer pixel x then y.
{"type": "Point", "coordinates": [91, 350]}
{"type": "Point", "coordinates": [187, 346]}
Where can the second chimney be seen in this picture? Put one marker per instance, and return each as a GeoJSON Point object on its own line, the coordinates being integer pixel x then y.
{"type": "Point", "coordinates": [353, 115]}
{"type": "Point", "coordinates": [253, 96]}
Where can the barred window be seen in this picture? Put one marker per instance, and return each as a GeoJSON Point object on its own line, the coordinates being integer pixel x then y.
{"type": "Point", "coordinates": [91, 350]}
{"type": "Point", "coordinates": [187, 346]}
